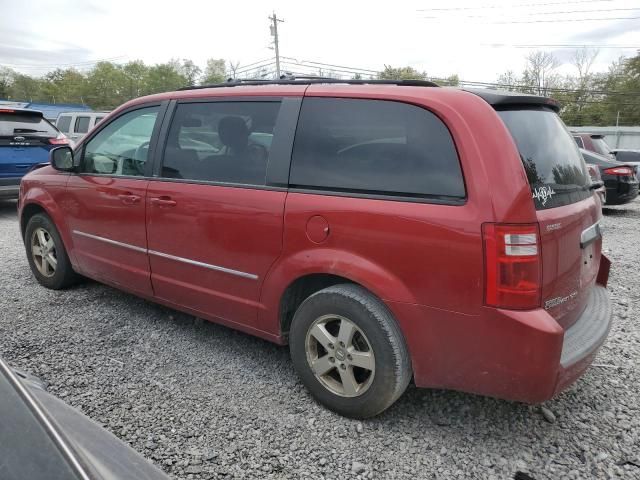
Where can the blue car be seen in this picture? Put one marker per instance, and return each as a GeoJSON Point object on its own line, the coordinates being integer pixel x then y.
{"type": "Point", "coordinates": [25, 140]}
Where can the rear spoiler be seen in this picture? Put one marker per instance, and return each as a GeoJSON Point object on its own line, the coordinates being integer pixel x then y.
{"type": "Point", "coordinates": [503, 98]}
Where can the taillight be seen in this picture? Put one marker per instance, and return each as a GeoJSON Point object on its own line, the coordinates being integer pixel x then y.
{"type": "Point", "coordinates": [618, 171]}
{"type": "Point", "coordinates": [513, 266]}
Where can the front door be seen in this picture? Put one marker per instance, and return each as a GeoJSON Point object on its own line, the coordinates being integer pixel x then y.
{"type": "Point", "coordinates": [214, 228]}
{"type": "Point", "coordinates": [105, 204]}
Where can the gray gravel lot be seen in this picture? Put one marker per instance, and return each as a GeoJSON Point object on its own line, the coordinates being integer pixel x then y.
{"type": "Point", "coordinates": [202, 401]}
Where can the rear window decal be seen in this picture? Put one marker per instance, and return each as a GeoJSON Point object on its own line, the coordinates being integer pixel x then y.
{"type": "Point", "coordinates": [542, 194]}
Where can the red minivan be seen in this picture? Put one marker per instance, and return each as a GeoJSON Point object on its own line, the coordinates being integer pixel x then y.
{"type": "Point", "coordinates": [386, 231]}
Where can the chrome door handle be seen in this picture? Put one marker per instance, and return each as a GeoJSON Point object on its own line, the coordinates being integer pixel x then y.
{"type": "Point", "coordinates": [128, 199]}
{"type": "Point", "coordinates": [163, 202]}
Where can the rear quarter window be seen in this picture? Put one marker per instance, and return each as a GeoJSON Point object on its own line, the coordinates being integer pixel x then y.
{"type": "Point", "coordinates": [555, 169]}
{"type": "Point", "coordinates": [377, 147]}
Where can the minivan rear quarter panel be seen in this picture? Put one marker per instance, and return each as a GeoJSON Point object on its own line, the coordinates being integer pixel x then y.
{"type": "Point", "coordinates": [437, 298]}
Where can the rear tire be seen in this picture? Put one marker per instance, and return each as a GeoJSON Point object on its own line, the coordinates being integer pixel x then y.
{"type": "Point", "coordinates": [46, 254]}
{"type": "Point", "coordinates": [349, 351]}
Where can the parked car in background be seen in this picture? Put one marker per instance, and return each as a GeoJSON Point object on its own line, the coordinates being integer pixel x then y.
{"type": "Point", "coordinates": [619, 179]}
{"type": "Point", "coordinates": [594, 173]}
{"type": "Point", "coordinates": [362, 222]}
{"type": "Point", "coordinates": [593, 142]}
{"type": "Point", "coordinates": [628, 157]}
{"type": "Point", "coordinates": [76, 125]}
{"type": "Point", "coordinates": [43, 438]}
{"type": "Point", "coordinates": [25, 140]}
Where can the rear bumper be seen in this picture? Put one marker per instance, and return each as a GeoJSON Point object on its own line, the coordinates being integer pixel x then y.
{"type": "Point", "coordinates": [583, 338]}
{"type": "Point", "coordinates": [9, 187]}
{"type": "Point", "coordinates": [515, 355]}
{"type": "Point", "coordinates": [622, 193]}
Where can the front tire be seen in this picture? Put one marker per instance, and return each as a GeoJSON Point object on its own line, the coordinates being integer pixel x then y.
{"type": "Point", "coordinates": [349, 351]}
{"type": "Point", "coordinates": [46, 254]}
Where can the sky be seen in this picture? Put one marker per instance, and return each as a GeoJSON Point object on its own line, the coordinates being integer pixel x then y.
{"type": "Point", "coordinates": [478, 40]}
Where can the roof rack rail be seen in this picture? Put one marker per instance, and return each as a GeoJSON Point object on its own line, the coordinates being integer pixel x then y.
{"type": "Point", "coordinates": [309, 80]}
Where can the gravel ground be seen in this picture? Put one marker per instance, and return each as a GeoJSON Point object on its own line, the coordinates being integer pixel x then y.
{"type": "Point", "coordinates": [203, 401]}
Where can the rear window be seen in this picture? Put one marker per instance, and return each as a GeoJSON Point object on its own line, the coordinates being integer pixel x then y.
{"type": "Point", "coordinates": [19, 124]}
{"type": "Point", "coordinates": [555, 168]}
{"type": "Point", "coordinates": [375, 147]}
{"type": "Point", "coordinates": [63, 124]}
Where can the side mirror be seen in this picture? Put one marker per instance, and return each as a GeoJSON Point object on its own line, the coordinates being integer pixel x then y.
{"type": "Point", "coordinates": [61, 158]}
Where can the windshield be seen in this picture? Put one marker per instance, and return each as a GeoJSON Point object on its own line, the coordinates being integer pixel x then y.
{"type": "Point", "coordinates": [555, 168]}
{"type": "Point", "coordinates": [601, 146]}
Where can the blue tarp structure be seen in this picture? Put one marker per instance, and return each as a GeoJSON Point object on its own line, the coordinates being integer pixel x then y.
{"type": "Point", "coordinates": [49, 110]}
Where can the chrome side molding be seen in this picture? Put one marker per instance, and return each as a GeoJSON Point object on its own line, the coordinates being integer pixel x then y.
{"type": "Point", "coordinates": [189, 261]}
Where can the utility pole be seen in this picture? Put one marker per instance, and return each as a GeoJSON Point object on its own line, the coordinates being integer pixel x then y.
{"type": "Point", "coordinates": [274, 33]}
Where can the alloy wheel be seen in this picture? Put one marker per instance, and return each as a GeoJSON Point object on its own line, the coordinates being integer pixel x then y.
{"type": "Point", "coordinates": [43, 252]}
{"type": "Point", "coordinates": [340, 355]}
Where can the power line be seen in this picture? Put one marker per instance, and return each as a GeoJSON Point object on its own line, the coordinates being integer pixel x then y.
{"type": "Point", "coordinates": [255, 68]}
{"type": "Point", "coordinates": [566, 20]}
{"type": "Point", "coordinates": [364, 70]}
{"type": "Point", "coordinates": [561, 46]}
{"type": "Point", "coordinates": [293, 68]}
{"type": "Point", "coordinates": [255, 63]}
{"type": "Point", "coordinates": [546, 13]}
{"type": "Point", "coordinates": [512, 6]}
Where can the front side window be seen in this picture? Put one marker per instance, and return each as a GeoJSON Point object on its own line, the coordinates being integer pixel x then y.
{"type": "Point", "coordinates": [82, 124]}
{"type": "Point", "coordinates": [122, 147]}
{"type": "Point", "coordinates": [63, 124]}
{"type": "Point", "coordinates": [375, 147]}
{"type": "Point", "coordinates": [221, 142]}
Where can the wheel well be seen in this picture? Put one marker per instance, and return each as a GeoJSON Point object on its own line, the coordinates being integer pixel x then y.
{"type": "Point", "coordinates": [299, 291]}
{"type": "Point", "coordinates": [27, 212]}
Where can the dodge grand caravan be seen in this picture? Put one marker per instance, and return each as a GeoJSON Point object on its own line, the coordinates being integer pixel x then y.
{"type": "Point", "coordinates": [385, 231]}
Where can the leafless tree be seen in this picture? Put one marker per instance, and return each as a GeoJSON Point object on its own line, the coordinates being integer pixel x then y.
{"type": "Point", "coordinates": [540, 73]}
{"type": "Point", "coordinates": [583, 60]}
{"type": "Point", "coordinates": [233, 68]}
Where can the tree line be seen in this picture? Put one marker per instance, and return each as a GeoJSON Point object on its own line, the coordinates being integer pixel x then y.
{"type": "Point", "coordinates": [107, 84]}
{"type": "Point", "coordinates": [587, 97]}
